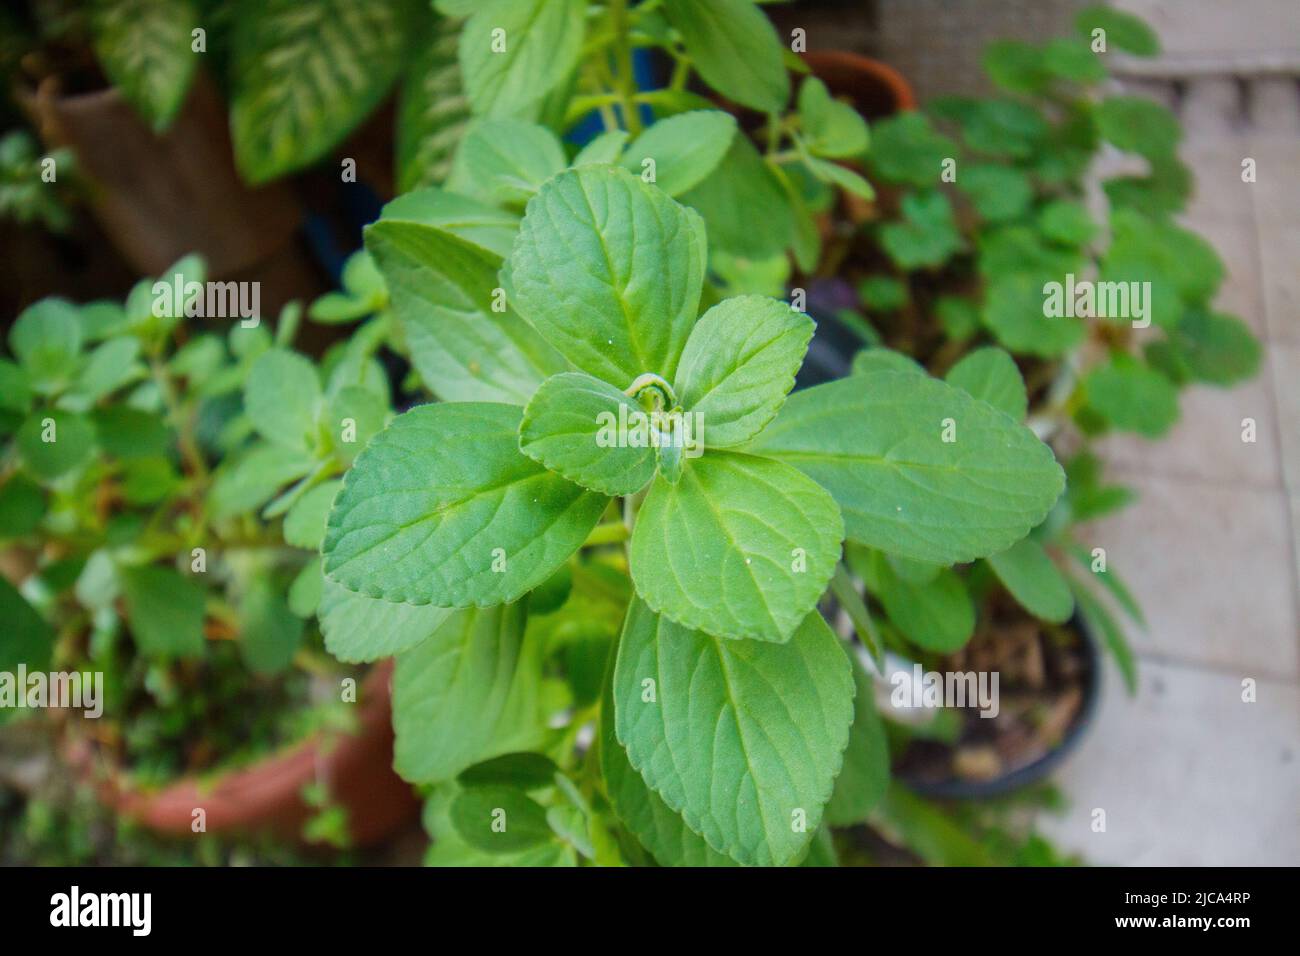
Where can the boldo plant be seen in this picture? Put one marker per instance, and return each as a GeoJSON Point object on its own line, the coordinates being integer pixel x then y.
{"type": "Point", "coordinates": [599, 560]}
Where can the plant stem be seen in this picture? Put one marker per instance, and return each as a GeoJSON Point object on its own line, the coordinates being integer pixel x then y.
{"type": "Point", "coordinates": [847, 594]}
{"type": "Point", "coordinates": [626, 80]}
{"type": "Point", "coordinates": [180, 421]}
{"type": "Point", "coordinates": [611, 532]}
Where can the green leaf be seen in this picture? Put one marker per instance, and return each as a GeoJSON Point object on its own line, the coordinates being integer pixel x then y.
{"type": "Point", "coordinates": [936, 614]}
{"type": "Point", "coordinates": [1015, 312]}
{"type": "Point", "coordinates": [110, 366]}
{"type": "Point", "coordinates": [1138, 125]}
{"type": "Point", "coordinates": [282, 398]}
{"type": "Point", "coordinates": [739, 364]}
{"type": "Point", "coordinates": [1016, 66]}
{"type": "Point", "coordinates": [959, 317]}
{"type": "Point", "coordinates": [54, 442]}
{"type": "Point", "coordinates": [875, 442]}
{"type": "Point", "coordinates": [46, 340]}
{"type": "Point", "coordinates": [359, 628]}
{"type": "Point", "coordinates": [930, 831]}
{"type": "Point", "coordinates": [1072, 59]}
{"type": "Point", "coordinates": [22, 506]}
{"type": "Point", "coordinates": [1159, 252]}
{"type": "Point", "coordinates": [881, 359]}
{"type": "Point", "coordinates": [743, 738]}
{"type": "Point", "coordinates": [469, 692]}
{"type": "Point", "coordinates": [246, 482]}
{"type": "Point", "coordinates": [476, 222]}
{"type": "Point", "coordinates": [864, 778]}
{"type": "Point", "coordinates": [504, 161]}
{"type": "Point", "coordinates": [1132, 396]}
{"type": "Point", "coordinates": [270, 632]}
{"type": "Point", "coordinates": [995, 127]}
{"type": "Point", "coordinates": [998, 193]}
{"type": "Point", "coordinates": [907, 149]}
{"type": "Point", "coordinates": [305, 75]}
{"type": "Point", "coordinates": [305, 591]}
{"type": "Point", "coordinates": [164, 609]}
{"type": "Point", "coordinates": [1102, 624]}
{"type": "Point", "coordinates": [443, 292]}
{"type": "Point", "coordinates": [1067, 222]}
{"type": "Point", "coordinates": [145, 49]}
{"type": "Point", "coordinates": [542, 42]}
{"type": "Point", "coordinates": [304, 525]}
{"type": "Point", "coordinates": [659, 828]}
{"type": "Point", "coordinates": [883, 293]}
{"type": "Point", "coordinates": [831, 128]}
{"type": "Point", "coordinates": [1215, 348]}
{"type": "Point", "coordinates": [497, 819]}
{"type": "Point", "coordinates": [15, 388]}
{"type": "Point", "coordinates": [991, 375]}
{"type": "Point", "coordinates": [841, 176]}
{"type": "Point", "coordinates": [353, 416]}
{"type": "Point", "coordinates": [1034, 581]}
{"type": "Point", "coordinates": [450, 849]}
{"type": "Point", "coordinates": [525, 771]}
{"type": "Point", "coordinates": [1123, 30]}
{"type": "Point", "coordinates": [571, 427]}
{"type": "Point", "coordinates": [442, 508]}
{"type": "Point", "coordinates": [29, 640]}
{"type": "Point", "coordinates": [928, 234]}
{"type": "Point", "coordinates": [747, 210]}
{"type": "Point", "coordinates": [1110, 580]}
{"type": "Point", "coordinates": [432, 110]}
{"type": "Point", "coordinates": [605, 148]}
{"type": "Point", "coordinates": [684, 148]}
{"type": "Point", "coordinates": [741, 546]}
{"type": "Point", "coordinates": [735, 49]}
{"type": "Point", "coordinates": [608, 269]}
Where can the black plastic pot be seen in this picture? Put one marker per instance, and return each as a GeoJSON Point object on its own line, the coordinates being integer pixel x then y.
{"type": "Point", "coordinates": [1040, 769]}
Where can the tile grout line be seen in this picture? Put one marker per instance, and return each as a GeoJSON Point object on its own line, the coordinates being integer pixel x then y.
{"type": "Point", "coordinates": [1271, 387]}
{"type": "Point", "coordinates": [1224, 670]}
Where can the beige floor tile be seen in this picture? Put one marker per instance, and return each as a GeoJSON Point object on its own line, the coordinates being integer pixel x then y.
{"type": "Point", "coordinates": [1279, 251]}
{"type": "Point", "coordinates": [1187, 773]}
{"type": "Point", "coordinates": [1206, 442]}
{"type": "Point", "coordinates": [1284, 368]}
{"type": "Point", "coordinates": [1213, 26]}
{"type": "Point", "coordinates": [1213, 567]}
{"type": "Point", "coordinates": [1277, 215]}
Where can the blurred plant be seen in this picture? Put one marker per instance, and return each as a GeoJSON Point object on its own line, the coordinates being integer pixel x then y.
{"type": "Point", "coordinates": [974, 261]}
{"type": "Point", "coordinates": [25, 195]}
{"type": "Point", "coordinates": [146, 461]}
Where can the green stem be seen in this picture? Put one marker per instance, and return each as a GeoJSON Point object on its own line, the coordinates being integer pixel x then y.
{"type": "Point", "coordinates": [626, 80]}
{"type": "Point", "coordinates": [846, 593]}
{"type": "Point", "coordinates": [611, 532]}
{"type": "Point", "coordinates": [180, 421]}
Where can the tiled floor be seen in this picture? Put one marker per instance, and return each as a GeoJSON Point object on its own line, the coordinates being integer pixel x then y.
{"type": "Point", "coordinates": [1187, 771]}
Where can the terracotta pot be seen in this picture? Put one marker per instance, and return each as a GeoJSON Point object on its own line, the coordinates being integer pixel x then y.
{"type": "Point", "coordinates": [875, 89]}
{"type": "Point", "coordinates": [162, 196]}
{"type": "Point", "coordinates": [266, 797]}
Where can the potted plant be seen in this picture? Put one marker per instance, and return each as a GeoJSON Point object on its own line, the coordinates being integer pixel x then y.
{"type": "Point", "coordinates": [984, 260]}
{"type": "Point", "coordinates": [163, 490]}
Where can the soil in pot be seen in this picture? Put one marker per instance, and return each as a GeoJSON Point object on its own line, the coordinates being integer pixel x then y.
{"type": "Point", "coordinates": [263, 756]}
{"type": "Point", "coordinates": [1048, 682]}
